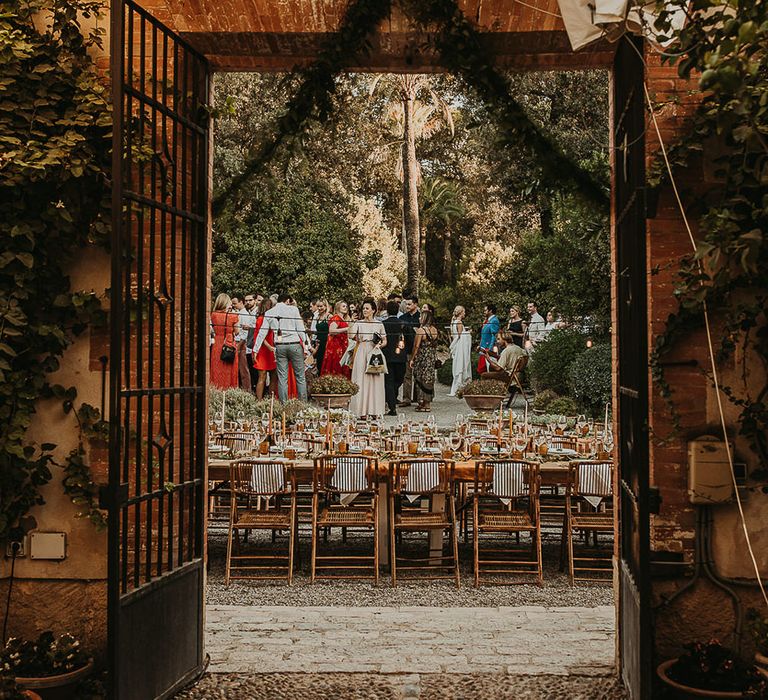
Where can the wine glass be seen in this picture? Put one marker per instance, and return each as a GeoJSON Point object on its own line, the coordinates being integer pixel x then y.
{"type": "Point", "coordinates": [562, 422]}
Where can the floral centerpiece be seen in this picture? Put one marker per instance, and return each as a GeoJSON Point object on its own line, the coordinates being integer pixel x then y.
{"type": "Point", "coordinates": [333, 390]}
{"type": "Point", "coordinates": [708, 669]}
{"type": "Point", "coordinates": [483, 394]}
{"type": "Point", "coordinates": [47, 662]}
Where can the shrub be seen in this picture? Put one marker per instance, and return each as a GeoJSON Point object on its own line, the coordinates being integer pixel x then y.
{"type": "Point", "coordinates": [333, 384]}
{"type": "Point", "coordinates": [482, 387]}
{"type": "Point", "coordinates": [551, 361]}
{"type": "Point", "coordinates": [240, 405]}
{"type": "Point", "coordinates": [563, 406]}
{"type": "Point", "coordinates": [543, 399]}
{"type": "Point", "coordinates": [590, 378]}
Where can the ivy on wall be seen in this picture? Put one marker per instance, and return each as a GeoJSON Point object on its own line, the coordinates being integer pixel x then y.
{"type": "Point", "coordinates": [726, 45]}
{"type": "Point", "coordinates": [54, 152]}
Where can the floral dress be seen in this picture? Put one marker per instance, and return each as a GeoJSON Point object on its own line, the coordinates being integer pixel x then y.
{"type": "Point", "coordinates": [424, 368]}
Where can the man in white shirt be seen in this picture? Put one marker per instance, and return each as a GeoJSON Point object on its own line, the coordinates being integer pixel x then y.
{"type": "Point", "coordinates": [536, 325]}
{"type": "Point", "coordinates": [290, 343]}
{"type": "Point", "coordinates": [243, 372]}
{"type": "Point", "coordinates": [248, 315]}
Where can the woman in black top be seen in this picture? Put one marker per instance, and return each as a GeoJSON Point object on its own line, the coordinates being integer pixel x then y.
{"type": "Point", "coordinates": [516, 326]}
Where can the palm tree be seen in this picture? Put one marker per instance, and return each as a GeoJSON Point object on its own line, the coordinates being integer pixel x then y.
{"type": "Point", "coordinates": [441, 205]}
{"type": "Point", "coordinates": [413, 119]}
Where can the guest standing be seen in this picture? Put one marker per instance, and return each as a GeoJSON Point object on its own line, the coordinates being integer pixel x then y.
{"type": "Point", "coordinates": [369, 334]}
{"type": "Point", "coordinates": [264, 361]}
{"type": "Point", "coordinates": [423, 361]}
{"type": "Point", "coordinates": [225, 326]}
{"type": "Point", "coordinates": [516, 326]}
{"type": "Point", "coordinates": [411, 318]}
{"type": "Point", "coordinates": [243, 375]}
{"type": "Point", "coordinates": [337, 341]}
{"type": "Point", "coordinates": [487, 335]}
{"type": "Point", "coordinates": [536, 326]}
{"type": "Point", "coordinates": [248, 322]}
{"type": "Point", "coordinates": [321, 333]}
{"type": "Point", "coordinates": [461, 350]}
{"type": "Point", "coordinates": [290, 344]}
{"type": "Point", "coordinates": [395, 353]}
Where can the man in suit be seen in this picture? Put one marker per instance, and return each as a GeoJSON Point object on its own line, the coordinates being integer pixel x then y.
{"type": "Point", "coordinates": [394, 352]}
{"type": "Point", "coordinates": [411, 318]}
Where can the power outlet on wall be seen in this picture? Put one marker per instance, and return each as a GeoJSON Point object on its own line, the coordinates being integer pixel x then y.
{"type": "Point", "coordinates": [21, 552]}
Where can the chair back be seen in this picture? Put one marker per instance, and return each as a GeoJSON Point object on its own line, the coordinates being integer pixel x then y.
{"type": "Point", "coordinates": [506, 478]}
{"type": "Point", "coordinates": [261, 477]}
{"type": "Point", "coordinates": [421, 476]}
{"type": "Point", "coordinates": [236, 441]}
{"type": "Point", "coordinates": [520, 364]}
{"type": "Point", "coordinates": [344, 474]}
{"type": "Point", "coordinates": [593, 478]}
{"type": "Point", "coordinates": [564, 442]}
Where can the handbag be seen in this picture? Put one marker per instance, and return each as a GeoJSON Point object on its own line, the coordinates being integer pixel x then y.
{"type": "Point", "coordinates": [228, 353]}
{"type": "Point", "coordinates": [377, 364]}
{"type": "Point", "coordinates": [349, 355]}
{"type": "Point", "coordinates": [438, 363]}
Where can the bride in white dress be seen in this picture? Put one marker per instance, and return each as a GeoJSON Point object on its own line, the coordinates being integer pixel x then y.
{"type": "Point", "coordinates": [461, 348]}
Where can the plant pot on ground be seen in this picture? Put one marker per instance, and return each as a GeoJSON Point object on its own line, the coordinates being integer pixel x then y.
{"type": "Point", "coordinates": [52, 667]}
{"type": "Point", "coordinates": [710, 670]}
{"type": "Point", "coordinates": [757, 626]}
{"type": "Point", "coordinates": [332, 390]}
{"type": "Point", "coordinates": [483, 394]}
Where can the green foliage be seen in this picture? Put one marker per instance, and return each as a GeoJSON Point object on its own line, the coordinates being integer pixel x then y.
{"type": "Point", "coordinates": [543, 399]}
{"type": "Point", "coordinates": [725, 45]}
{"type": "Point", "coordinates": [48, 655]}
{"type": "Point", "coordinates": [333, 384]}
{"type": "Point", "coordinates": [552, 359]}
{"type": "Point", "coordinates": [292, 239]}
{"type": "Point", "coordinates": [54, 140]}
{"type": "Point", "coordinates": [482, 387]}
{"type": "Point", "coordinates": [563, 406]}
{"type": "Point", "coordinates": [590, 378]}
{"type": "Point", "coordinates": [244, 406]}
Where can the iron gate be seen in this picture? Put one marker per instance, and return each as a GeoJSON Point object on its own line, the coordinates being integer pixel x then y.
{"type": "Point", "coordinates": [629, 220]}
{"type": "Point", "coordinates": [159, 355]}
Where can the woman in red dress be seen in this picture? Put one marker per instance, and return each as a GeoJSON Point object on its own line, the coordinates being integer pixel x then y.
{"type": "Point", "coordinates": [337, 341]}
{"type": "Point", "coordinates": [265, 359]}
{"type": "Point", "coordinates": [225, 324]}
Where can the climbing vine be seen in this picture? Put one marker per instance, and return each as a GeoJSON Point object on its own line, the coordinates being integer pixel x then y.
{"type": "Point", "coordinates": [460, 49]}
{"type": "Point", "coordinates": [726, 45]}
{"type": "Point", "coordinates": [54, 154]}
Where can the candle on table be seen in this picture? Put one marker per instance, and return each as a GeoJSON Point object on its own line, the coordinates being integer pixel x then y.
{"type": "Point", "coordinates": [605, 425]}
{"type": "Point", "coordinates": [511, 418]}
{"type": "Point", "coordinates": [525, 425]}
{"type": "Point", "coordinates": [271, 412]}
{"type": "Point", "coordinates": [223, 405]}
{"type": "Point", "coordinates": [283, 424]}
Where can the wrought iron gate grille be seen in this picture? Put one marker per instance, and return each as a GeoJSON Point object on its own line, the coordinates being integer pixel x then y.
{"type": "Point", "coordinates": [630, 232]}
{"type": "Point", "coordinates": [159, 352]}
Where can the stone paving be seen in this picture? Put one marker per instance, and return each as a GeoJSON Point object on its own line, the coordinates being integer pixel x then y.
{"type": "Point", "coordinates": [411, 640]}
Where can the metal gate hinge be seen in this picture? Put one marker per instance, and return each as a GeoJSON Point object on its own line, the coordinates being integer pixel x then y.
{"type": "Point", "coordinates": [654, 500]}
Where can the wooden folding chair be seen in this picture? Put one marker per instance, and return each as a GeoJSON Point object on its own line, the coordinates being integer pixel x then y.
{"type": "Point", "coordinates": [589, 511]}
{"type": "Point", "coordinates": [236, 441]}
{"type": "Point", "coordinates": [506, 501]}
{"type": "Point", "coordinates": [421, 499]}
{"type": "Point", "coordinates": [345, 494]}
{"type": "Point", "coordinates": [263, 498]}
{"type": "Point", "coordinates": [516, 377]}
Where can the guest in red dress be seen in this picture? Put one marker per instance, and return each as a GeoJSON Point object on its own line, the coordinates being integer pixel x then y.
{"type": "Point", "coordinates": [225, 324]}
{"type": "Point", "coordinates": [337, 341]}
{"type": "Point", "coordinates": [265, 361]}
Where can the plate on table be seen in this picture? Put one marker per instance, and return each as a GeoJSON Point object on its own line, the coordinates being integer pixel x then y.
{"type": "Point", "coordinates": [217, 449]}
{"type": "Point", "coordinates": [563, 451]}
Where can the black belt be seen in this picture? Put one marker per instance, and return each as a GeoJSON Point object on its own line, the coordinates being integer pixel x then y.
{"type": "Point", "coordinates": [293, 342]}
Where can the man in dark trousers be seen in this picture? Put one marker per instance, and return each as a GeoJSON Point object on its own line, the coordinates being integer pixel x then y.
{"type": "Point", "coordinates": [394, 352]}
{"type": "Point", "coordinates": [411, 318]}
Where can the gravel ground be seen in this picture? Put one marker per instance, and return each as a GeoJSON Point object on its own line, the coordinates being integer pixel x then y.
{"type": "Point", "coordinates": [362, 686]}
{"type": "Point", "coordinates": [556, 590]}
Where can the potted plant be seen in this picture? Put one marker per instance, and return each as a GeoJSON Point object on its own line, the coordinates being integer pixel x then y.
{"type": "Point", "coordinates": [710, 670]}
{"type": "Point", "coordinates": [757, 625]}
{"type": "Point", "coordinates": [50, 666]}
{"type": "Point", "coordinates": [332, 390]}
{"type": "Point", "coordinates": [483, 394]}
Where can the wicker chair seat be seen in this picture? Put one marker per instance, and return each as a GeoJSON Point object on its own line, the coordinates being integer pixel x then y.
{"type": "Point", "coordinates": [418, 519]}
{"type": "Point", "coordinates": [266, 519]}
{"type": "Point", "coordinates": [513, 520]}
{"type": "Point", "coordinates": [592, 521]}
{"type": "Point", "coordinates": [345, 517]}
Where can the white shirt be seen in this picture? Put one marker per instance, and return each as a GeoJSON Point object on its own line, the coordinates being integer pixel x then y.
{"type": "Point", "coordinates": [536, 327]}
{"type": "Point", "coordinates": [247, 320]}
{"type": "Point", "coordinates": [285, 320]}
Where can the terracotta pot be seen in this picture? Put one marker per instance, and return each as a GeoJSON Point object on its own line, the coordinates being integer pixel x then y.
{"type": "Point", "coordinates": [483, 402]}
{"type": "Point", "coordinates": [332, 400]}
{"type": "Point", "coordinates": [61, 687]}
{"type": "Point", "coordinates": [685, 692]}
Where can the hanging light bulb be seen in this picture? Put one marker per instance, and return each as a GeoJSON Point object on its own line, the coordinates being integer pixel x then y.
{"type": "Point", "coordinates": [589, 342]}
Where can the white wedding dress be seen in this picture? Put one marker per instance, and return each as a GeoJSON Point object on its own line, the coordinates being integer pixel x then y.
{"type": "Point", "coordinates": [461, 349]}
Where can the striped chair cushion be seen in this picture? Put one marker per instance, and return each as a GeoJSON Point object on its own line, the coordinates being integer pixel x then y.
{"type": "Point", "coordinates": [267, 477]}
{"type": "Point", "coordinates": [422, 477]}
{"type": "Point", "coordinates": [350, 476]}
{"type": "Point", "coordinates": [509, 480]}
{"type": "Point", "coordinates": [595, 481]}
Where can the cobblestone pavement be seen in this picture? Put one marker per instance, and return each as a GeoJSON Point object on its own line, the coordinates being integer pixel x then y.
{"type": "Point", "coordinates": [369, 686]}
{"type": "Point", "coordinates": [411, 640]}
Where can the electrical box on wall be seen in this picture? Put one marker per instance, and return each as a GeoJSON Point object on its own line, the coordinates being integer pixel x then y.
{"type": "Point", "coordinates": [47, 545]}
{"type": "Point", "coordinates": [709, 472]}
